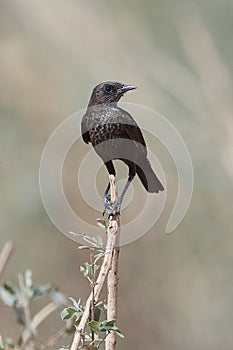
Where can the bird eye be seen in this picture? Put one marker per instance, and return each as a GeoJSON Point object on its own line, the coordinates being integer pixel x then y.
{"type": "Point", "coordinates": [108, 88]}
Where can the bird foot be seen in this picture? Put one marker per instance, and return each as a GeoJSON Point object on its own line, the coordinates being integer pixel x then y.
{"type": "Point", "coordinates": [111, 208]}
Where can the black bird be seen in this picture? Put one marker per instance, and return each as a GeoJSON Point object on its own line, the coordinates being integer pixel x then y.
{"type": "Point", "coordinates": [114, 134]}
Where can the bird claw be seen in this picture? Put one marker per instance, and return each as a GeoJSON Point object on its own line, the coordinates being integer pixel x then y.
{"type": "Point", "coordinates": [112, 208]}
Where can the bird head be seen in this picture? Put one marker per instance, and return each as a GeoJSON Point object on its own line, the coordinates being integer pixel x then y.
{"type": "Point", "coordinates": [109, 92]}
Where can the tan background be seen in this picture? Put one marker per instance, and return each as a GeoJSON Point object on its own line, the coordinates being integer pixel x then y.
{"type": "Point", "coordinates": [176, 291]}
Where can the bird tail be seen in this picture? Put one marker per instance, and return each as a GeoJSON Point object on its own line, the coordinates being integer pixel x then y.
{"type": "Point", "coordinates": [148, 178]}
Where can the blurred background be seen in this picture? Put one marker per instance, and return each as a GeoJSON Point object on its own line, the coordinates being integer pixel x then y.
{"type": "Point", "coordinates": [176, 291]}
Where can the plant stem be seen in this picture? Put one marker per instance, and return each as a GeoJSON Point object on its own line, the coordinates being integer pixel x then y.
{"type": "Point", "coordinates": [93, 296]}
{"type": "Point", "coordinates": [99, 286]}
{"type": "Point", "coordinates": [26, 308]}
{"type": "Point", "coordinates": [113, 275]}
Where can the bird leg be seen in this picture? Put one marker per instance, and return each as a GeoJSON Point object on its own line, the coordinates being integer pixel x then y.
{"type": "Point", "coordinates": [107, 198]}
{"type": "Point", "coordinates": [116, 206]}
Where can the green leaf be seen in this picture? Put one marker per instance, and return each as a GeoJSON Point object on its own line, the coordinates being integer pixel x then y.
{"type": "Point", "coordinates": [77, 304]}
{"type": "Point", "coordinates": [118, 331]}
{"type": "Point", "coordinates": [20, 340]}
{"type": "Point", "coordinates": [97, 312]}
{"type": "Point", "coordinates": [10, 288]}
{"type": "Point", "coordinates": [108, 323]}
{"type": "Point", "coordinates": [78, 316]}
{"type": "Point", "coordinates": [89, 272]}
{"type": "Point", "coordinates": [88, 239]}
{"type": "Point", "coordinates": [99, 256]}
{"type": "Point", "coordinates": [28, 279]}
{"type": "Point", "coordinates": [10, 342]}
{"type": "Point", "coordinates": [67, 313]}
{"type": "Point", "coordinates": [75, 234]}
{"type": "Point", "coordinates": [41, 290]}
{"type": "Point", "coordinates": [1, 343]}
{"type": "Point", "coordinates": [8, 294]}
{"type": "Point", "coordinates": [101, 223]}
{"type": "Point", "coordinates": [82, 269]}
{"type": "Point", "coordinates": [107, 326]}
{"type": "Point", "coordinates": [94, 325]}
{"type": "Point", "coordinates": [85, 247]}
{"type": "Point", "coordinates": [19, 312]}
{"type": "Point", "coordinates": [96, 267]}
{"type": "Point", "coordinates": [95, 243]}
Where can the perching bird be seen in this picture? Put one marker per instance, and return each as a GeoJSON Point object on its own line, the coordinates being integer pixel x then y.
{"type": "Point", "coordinates": [114, 134]}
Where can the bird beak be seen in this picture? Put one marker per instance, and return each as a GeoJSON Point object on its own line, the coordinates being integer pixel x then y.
{"type": "Point", "coordinates": [126, 88]}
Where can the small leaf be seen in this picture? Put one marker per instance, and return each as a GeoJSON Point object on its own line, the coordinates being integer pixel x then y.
{"type": "Point", "coordinates": [41, 290]}
{"type": "Point", "coordinates": [77, 304]}
{"type": "Point", "coordinates": [89, 272]}
{"type": "Point", "coordinates": [99, 256]}
{"type": "Point", "coordinates": [20, 340]}
{"type": "Point", "coordinates": [101, 305]}
{"type": "Point", "coordinates": [90, 247]}
{"type": "Point", "coordinates": [78, 316]}
{"type": "Point", "coordinates": [89, 239]}
{"type": "Point", "coordinates": [10, 342]}
{"type": "Point", "coordinates": [76, 234]}
{"type": "Point", "coordinates": [118, 331]}
{"type": "Point", "coordinates": [1, 343]}
{"type": "Point", "coordinates": [28, 279]}
{"type": "Point", "coordinates": [108, 323]}
{"type": "Point", "coordinates": [84, 247]}
{"type": "Point", "coordinates": [67, 313]}
{"type": "Point", "coordinates": [9, 294]}
{"type": "Point", "coordinates": [97, 312]}
{"type": "Point", "coordinates": [107, 326]}
{"type": "Point", "coordinates": [96, 267]}
{"type": "Point", "coordinates": [10, 288]}
{"type": "Point", "coordinates": [94, 325]}
{"type": "Point", "coordinates": [19, 312]}
{"type": "Point", "coordinates": [101, 223]}
{"type": "Point", "coordinates": [82, 269]}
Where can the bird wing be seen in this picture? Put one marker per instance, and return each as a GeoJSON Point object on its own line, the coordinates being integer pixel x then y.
{"type": "Point", "coordinates": [133, 131]}
{"type": "Point", "coordinates": [84, 131]}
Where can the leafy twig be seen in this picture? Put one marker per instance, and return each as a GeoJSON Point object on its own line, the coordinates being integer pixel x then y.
{"type": "Point", "coordinates": [99, 285]}
{"type": "Point", "coordinates": [104, 270]}
{"type": "Point", "coordinates": [26, 309]}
